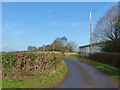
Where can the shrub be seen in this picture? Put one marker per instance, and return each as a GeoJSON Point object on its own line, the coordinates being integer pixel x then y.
{"type": "Point", "coordinates": [107, 58]}
{"type": "Point", "coordinates": [8, 59]}
{"type": "Point", "coordinates": [26, 64]}
{"type": "Point", "coordinates": [32, 56]}
{"type": "Point", "coordinates": [113, 46]}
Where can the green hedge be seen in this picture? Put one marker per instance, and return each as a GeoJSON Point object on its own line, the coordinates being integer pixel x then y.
{"type": "Point", "coordinates": [107, 58]}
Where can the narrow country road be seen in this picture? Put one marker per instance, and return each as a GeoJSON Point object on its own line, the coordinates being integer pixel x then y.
{"type": "Point", "coordinates": [82, 75]}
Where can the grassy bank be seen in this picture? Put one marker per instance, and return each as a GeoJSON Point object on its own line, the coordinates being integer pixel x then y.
{"type": "Point", "coordinates": [37, 81]}
{"type": "Point", "coordinates": [110, 70]}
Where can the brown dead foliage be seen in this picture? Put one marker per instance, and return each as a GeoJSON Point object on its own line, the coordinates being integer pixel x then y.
{"type": "Point", "coordinates": [28, 64]}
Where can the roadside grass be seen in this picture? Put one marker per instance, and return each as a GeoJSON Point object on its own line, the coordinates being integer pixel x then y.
{"type": "Point", "coordinates": [70, 57]}
{"type": "Point", "coordinates": [110, 70]}
{"type": "Point", "coordinates": [37, 81]}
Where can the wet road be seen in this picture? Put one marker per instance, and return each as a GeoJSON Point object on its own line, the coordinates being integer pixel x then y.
{"type": "Point", "coordinates": [82, 75]}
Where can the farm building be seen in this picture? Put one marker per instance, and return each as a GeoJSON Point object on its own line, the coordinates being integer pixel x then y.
{"type": "Point", "coordinates": [85, 50]}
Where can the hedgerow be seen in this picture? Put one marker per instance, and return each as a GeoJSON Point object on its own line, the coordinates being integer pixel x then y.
{"type": "Point", "coordinates": [27, 64]}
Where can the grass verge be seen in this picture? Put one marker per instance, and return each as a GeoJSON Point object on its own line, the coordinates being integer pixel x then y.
{"type": "Point", "coordinates": [37, 81]}
{"type": "Point", "coordinates": [110, 70]}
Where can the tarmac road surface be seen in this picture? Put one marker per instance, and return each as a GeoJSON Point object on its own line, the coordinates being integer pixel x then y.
{"type": "Point", "coordinates": [81, 75]}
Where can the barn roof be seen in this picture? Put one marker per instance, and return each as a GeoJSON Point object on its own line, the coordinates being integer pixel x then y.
{"type": "Point", "coordinates": [94, 44]}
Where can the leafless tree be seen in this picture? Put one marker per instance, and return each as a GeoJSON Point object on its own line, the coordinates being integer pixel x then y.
{"type": "Point", "coordinates": [32, 48]}
{"type": "Point", "coordinates": [108, 26]}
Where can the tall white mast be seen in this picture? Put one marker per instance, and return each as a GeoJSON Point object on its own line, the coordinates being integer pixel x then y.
{"type": "Point", "coordinates": [90, 33]}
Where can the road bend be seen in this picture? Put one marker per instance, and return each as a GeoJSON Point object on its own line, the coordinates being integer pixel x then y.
{"type": "Point", "coordinates": [81, 75]}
